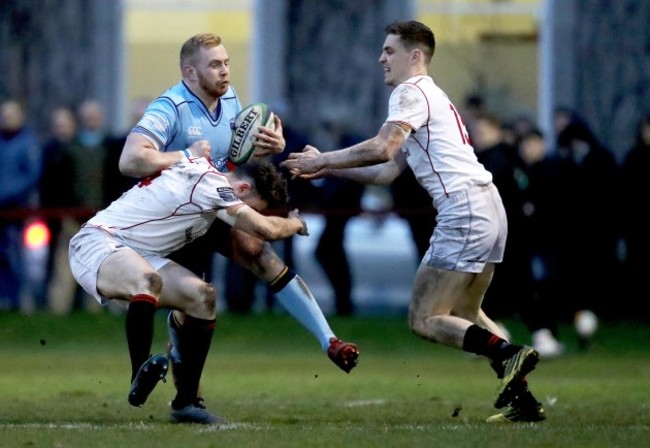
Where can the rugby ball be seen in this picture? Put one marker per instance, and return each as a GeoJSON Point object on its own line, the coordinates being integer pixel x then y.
{"type": "Point", "coordinates": [244, 128]}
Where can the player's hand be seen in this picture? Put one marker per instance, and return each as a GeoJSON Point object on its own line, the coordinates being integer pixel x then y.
{"type": "Point", "coordinates": [200, 148]}
{"type": "Point", "coordinates": [305, 164]}
{"type": "Point", "coordinates": [270, 141]}
{"type": "Point", "coordinates": [295, 214]}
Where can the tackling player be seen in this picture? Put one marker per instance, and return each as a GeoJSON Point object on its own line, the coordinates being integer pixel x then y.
{"type": "Point", "coordinates": [121, 254]}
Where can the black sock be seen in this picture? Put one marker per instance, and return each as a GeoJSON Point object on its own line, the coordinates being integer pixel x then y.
{"type": "Point", "coordinates": [139, 329]}
{"type": "Point", "coordinates": [482, 342]}
{"type": "Point", "coordinates": [193, 341]}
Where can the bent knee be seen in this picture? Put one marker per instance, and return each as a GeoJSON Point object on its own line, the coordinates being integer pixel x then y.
{"type": "Point", "coordinates": [423, 324]}
{"type": "Point", "coordinates": [206, 301]}
{"type": "Point", "coordinates": [153, 283]}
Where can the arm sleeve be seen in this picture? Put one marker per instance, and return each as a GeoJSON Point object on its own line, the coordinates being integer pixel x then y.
{"type": "Point", "coordinates": [158, 123]}
{"type": "Point", "coordinates": [407, 106]}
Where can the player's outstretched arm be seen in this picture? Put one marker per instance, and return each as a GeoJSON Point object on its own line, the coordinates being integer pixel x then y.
{"type": "Point", "coordinates": [269, 228]}
{"type": "Point", "coordinates": [377, 150]}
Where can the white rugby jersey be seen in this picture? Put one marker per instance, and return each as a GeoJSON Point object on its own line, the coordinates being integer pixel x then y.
{"type": "Point", "coordinates": [438, 149]}
{"type": "Point", "coordinates": [163, 213]}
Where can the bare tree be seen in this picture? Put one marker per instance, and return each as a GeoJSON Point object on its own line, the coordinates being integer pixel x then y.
{"type": "Point", "coordinates": [58, 52]}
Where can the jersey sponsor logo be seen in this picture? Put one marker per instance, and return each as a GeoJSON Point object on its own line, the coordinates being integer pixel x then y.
{"type": "Point", "coordinates": [194, 131]}
{"type": "Point", "coordinates": [188, 234]}
{"type": "Point", "coordinates": [227, 194]}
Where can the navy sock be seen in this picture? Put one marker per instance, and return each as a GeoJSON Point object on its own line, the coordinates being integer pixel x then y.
{"type": "Point", "coordinates": [192, 343]}
{"type": "Point", "coordinates": [139, 329]}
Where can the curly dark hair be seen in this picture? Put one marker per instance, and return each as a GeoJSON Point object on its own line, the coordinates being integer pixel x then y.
{"type": "Point", "coordinates": [267, 180]}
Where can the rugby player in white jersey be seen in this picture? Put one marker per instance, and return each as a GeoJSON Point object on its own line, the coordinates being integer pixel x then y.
{"type": "Point", "coordinates": [194, 117]}
{"type": "Point", "coordinates": [121, 254]}
{"type": "Point", "coordinates": [424, 131]}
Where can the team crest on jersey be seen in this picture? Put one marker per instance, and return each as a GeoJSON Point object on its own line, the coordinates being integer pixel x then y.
{"type": "Point", "coordinates": [227, 194]}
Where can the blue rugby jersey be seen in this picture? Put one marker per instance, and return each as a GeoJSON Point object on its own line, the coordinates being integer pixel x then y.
{"type": "Point", "coordinates": [178, 118]}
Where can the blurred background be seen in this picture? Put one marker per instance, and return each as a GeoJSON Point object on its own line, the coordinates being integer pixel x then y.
{"type": "Point", "coordinates": [521, 72]}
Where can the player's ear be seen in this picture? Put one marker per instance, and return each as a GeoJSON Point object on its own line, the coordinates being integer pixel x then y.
{"type": "Point", "coordinates": [242, 189]}
{"type": "Point", "coordinates": [417, 56]}
{"type": "Point", "coordinates": [188, 72]}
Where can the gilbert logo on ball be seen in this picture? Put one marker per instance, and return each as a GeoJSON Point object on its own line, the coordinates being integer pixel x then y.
{"type": "Point", "coordinates": [245, 127]}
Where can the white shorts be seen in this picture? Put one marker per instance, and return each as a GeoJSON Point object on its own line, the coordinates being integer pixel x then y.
{"type": "Point", "coordinates": [88, 250]}
{"type": "Point", "coordinates": [471, 230]}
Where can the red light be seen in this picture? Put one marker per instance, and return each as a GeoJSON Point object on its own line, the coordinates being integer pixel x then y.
{"type": "Point", "coordinates": [36, 235]}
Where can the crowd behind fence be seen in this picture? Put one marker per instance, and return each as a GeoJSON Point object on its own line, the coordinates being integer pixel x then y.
{"type": "Point", "coordinates": [576, 238]}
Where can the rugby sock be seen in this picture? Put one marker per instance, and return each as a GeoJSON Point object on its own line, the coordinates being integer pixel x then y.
{"type": "Point", "coordinates": [297, 299]}
{"type": "Point", "coordinates": [139, 329]}
{"type": "Point", "coordinates": [191, 342]}
{"type": "Point", "coordinates": [482, 342]}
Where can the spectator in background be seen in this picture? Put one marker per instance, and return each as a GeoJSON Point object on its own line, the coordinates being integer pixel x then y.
{"type": "Point", "coordinates": [473, 106]}
{"type": "Point", "coordinates": [521, 125]}
{"type": "Point", "coordinates": [116, 183]}
{"type": "Point", "coordinates": [19, 174]}
{"type": "Point", "coordinates": [637, 190]}
{"type": "Point", "coordinates": [91, 159]}
{"type": "Point", "coordinates": [588, 203]}
{"type": "Point", "coordinates": [340, 200]}
{"type": "Point", "coordinates": [85, 153]}
{"type": "Point", "coordinates": [534, 173]}
{"type": "Point", "coordinates": [564, 116]}
{"type": "Point", "coordinates": [512, 283]}
{"type": "Point", "coordinates": [412, 203]}
{"type": "Point", "coordinates": [59, 199]}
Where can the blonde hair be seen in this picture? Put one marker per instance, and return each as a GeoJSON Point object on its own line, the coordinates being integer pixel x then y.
{"type": "Point", "coordinates": [193, 45]}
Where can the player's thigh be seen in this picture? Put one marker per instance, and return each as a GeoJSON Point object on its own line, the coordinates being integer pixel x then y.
{"type": "Point", "coordinates": [437, 291]}
{"type": "Point", "coordinates": [125, 273]}
{"type": "Point", "coordinates": [184, 291]}
{"type": "Point", "coordinates": [469, 303]}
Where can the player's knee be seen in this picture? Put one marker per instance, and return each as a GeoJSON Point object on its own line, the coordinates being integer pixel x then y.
{"type": "Point", "coordinates": [153, 283]}
{"type": "Point", "coordinates": [207, 300]}
{"type": "Point", "coordinates": [423, 325]}
{"type": "Point", "coordinates": [417, 326]}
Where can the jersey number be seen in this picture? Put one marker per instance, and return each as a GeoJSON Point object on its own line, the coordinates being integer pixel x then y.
{"type": "Point", "coordinates": [464, 136]}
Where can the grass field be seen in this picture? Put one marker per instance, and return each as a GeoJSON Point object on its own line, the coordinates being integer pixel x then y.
{"type": "Point", "coordinates": [64, 383]}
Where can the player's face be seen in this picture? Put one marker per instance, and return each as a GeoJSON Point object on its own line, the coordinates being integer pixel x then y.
{"type": "Point", "coordinates": [396, 61]}
{"type": "Point", "coordinates": [213, 71]}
